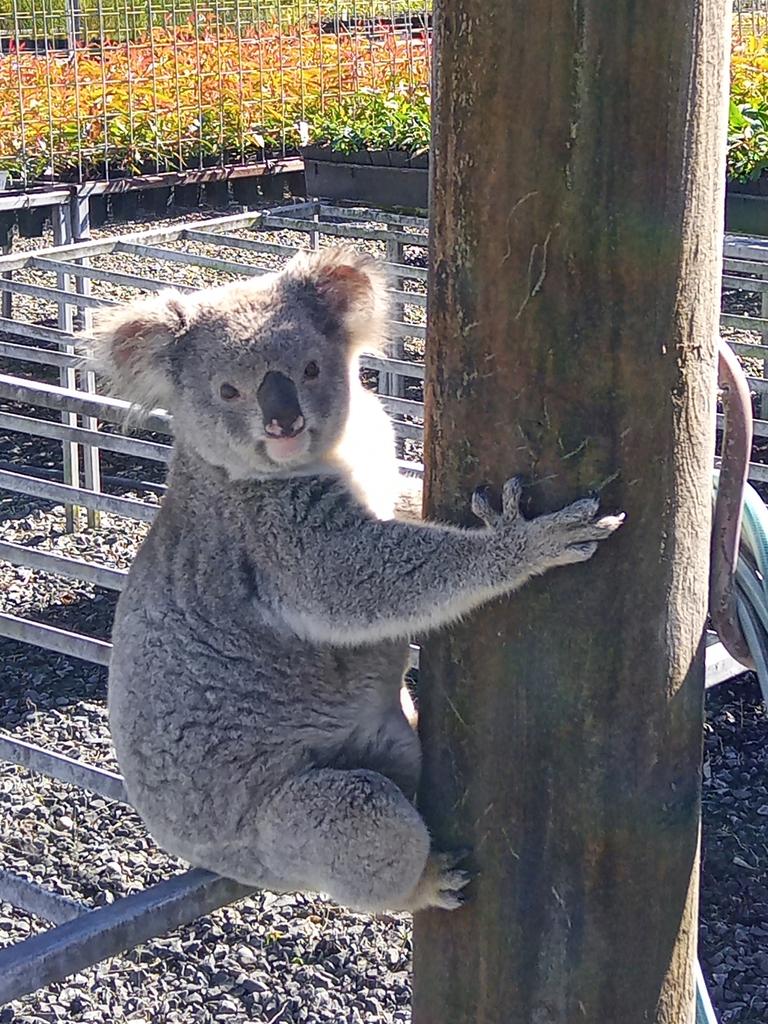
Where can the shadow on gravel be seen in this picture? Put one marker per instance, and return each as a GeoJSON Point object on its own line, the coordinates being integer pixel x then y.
{"type": "Point", "coordinates": [34, 680]}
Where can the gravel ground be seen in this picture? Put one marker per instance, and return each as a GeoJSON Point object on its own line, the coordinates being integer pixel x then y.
{"type": "Point", "coordinates": [271, 959]}
{"type": "Point", "coordinates": [734, 885]}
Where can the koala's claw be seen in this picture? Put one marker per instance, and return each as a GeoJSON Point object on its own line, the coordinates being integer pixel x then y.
{"type": "Point", "coordinates": [510, 504]}
{"type": "Point", "coordinates": [482, 507]}
{"type": "Point", "coordinates": [597, 529]}
{"type": "Point", "coordinates": [452, 881]}
{"type": "Point", "coordinates": [443, 882]}
{"type": "Point", "coordinates": [510, 498]}
{"type": "Point", "coordinates": [578, 513]}
{"type": "Point", "coordinates": [573, 534]}
{"type": "Point", "coordinates": [453, 898]}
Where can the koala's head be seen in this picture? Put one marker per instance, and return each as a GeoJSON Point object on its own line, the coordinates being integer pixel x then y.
{"type": "Point", "coordinates": [257, 374]}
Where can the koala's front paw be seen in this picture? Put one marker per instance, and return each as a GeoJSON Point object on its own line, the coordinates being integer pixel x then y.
{"type": "Point", "coordinates": [560, 538]}
{"type": "Point", "coordinates": [570, 535]}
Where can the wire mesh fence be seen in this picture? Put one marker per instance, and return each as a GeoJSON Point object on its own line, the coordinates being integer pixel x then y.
{"type": "Point", "coordinates": [106, 88]}
{"type": "Point", "coordinates": [750, 17]}
{"type": "Point", "coordinates": [103, 89]}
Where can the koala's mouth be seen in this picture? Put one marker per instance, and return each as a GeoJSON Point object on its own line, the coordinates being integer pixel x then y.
{"type": "Point", "coordinates": [288, 448]}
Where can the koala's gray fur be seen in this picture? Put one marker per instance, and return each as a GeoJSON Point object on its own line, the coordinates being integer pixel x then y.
{"type": "Point", "coordinates": [260, 642]}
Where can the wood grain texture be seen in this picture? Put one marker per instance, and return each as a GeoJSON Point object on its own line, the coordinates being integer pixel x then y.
{"type": "Point", "coordinates": [577, 162]}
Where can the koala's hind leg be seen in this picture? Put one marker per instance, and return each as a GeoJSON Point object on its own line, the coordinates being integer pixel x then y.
{"type": "Point", "coordinates": [353, 835]}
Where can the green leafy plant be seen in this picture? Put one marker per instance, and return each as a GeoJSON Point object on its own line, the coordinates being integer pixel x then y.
{"type": "Point", "coordinates": [186, 95]}
{"type": "Point", "coordinates": [394, 119]}
{"type": "Point", "coordinates": [748, 111]}
{"type": "Point", "coordinates": [747, 141]}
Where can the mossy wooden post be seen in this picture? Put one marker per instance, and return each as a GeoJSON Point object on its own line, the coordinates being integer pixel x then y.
{"type": "Point", "coordinates": [574, 279]}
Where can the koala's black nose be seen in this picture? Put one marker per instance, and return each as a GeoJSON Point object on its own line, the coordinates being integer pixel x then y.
{"type": "Point", "coordinates": [280, 407]}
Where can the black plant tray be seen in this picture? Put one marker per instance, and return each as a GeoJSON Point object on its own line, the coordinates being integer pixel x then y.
{"type": "Point", "coordinates": [375, 177]}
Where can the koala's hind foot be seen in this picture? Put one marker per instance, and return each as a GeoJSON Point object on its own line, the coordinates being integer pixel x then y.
{"type": "Point", "coordinates": [442, 883]}
{"type": "Point", "coordinates": [353, 835]}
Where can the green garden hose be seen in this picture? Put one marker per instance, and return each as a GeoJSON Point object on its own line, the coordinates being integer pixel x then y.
{"type": "Point", "coordinates": [752, 581]}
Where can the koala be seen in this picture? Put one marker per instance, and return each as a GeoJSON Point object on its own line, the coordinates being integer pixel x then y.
{"type": "Point", "coordinates": [262, 636]}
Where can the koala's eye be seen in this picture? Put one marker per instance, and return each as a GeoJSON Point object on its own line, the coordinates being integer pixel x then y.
{"type": "Point", "coordinates": [228, 392]}
{"type": "Point", "coordinates": [311, 370]}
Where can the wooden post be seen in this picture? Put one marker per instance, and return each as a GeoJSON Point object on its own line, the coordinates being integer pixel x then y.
{"type": "Point", "coordinates": [577, 197]}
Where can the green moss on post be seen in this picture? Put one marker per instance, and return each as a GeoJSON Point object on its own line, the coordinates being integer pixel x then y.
{"type": "Point", "coordinates": [577, 160]}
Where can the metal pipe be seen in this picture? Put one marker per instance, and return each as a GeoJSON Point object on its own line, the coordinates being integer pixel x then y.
{"type": "Point", "coordinates": [50, 638]}
{"type": "Point", "coordinates": [110, 442]}
{"type": "Point", "coordinates": [744, 323]}
{"type": "Point", "coordinates": [79, 270]}
{"type": "Point", "coordinates": [35, 332]}
{"type": "Point", "coordinates": [357, 213]}
{"type": "Point", "coordinates": [75, 568]}
{"type": "Point", "coordinates": [400, 367]}
{"type": "Point", "coordinates": [53, 955]}
{"type": "Point", "coordinates": [31, 354]}
{"type": "Point", "coordinates": [60, 766]}
{"type": "Point", "coordinates": [402, 406]}
{"type": "Point", "coordinates": [34, 899]}
{"type": "Point", "coordinates": [63, 494]}
{"type": "Point", "coordinates": [39, 291]}
{"type": "Point", "coordinates": [155, 252]}
{"type": "Point", "coordinates": [726, 524]}
{"type": "Point", "coordinates": [398, 329]}
{"type": "Point", "coordinates": [114, 410]}
{"type": "Point", "coordinates": [342, 230]}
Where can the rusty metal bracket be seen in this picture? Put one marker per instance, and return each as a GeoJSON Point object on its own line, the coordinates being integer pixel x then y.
{"type": "Point", "coordinates": [726, 523]}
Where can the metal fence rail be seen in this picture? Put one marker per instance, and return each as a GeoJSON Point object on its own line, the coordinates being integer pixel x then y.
{"type": "Point", "coordinates": [89, 423]}
{"type": "Point", "coordinates": [94, 935]}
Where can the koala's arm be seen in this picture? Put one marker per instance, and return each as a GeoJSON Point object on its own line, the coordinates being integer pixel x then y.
{"type": "Point", "coordinates": [387, 580]}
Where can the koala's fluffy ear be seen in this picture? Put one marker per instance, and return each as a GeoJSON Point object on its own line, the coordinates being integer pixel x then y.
{"type": "Point", "coordinates": [132, 347]}
{"type": "Point", "coordinates": [350, 287]}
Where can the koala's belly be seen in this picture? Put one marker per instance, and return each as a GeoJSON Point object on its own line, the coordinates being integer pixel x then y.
{"type": "Point", "coordinates": [204, 730]}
